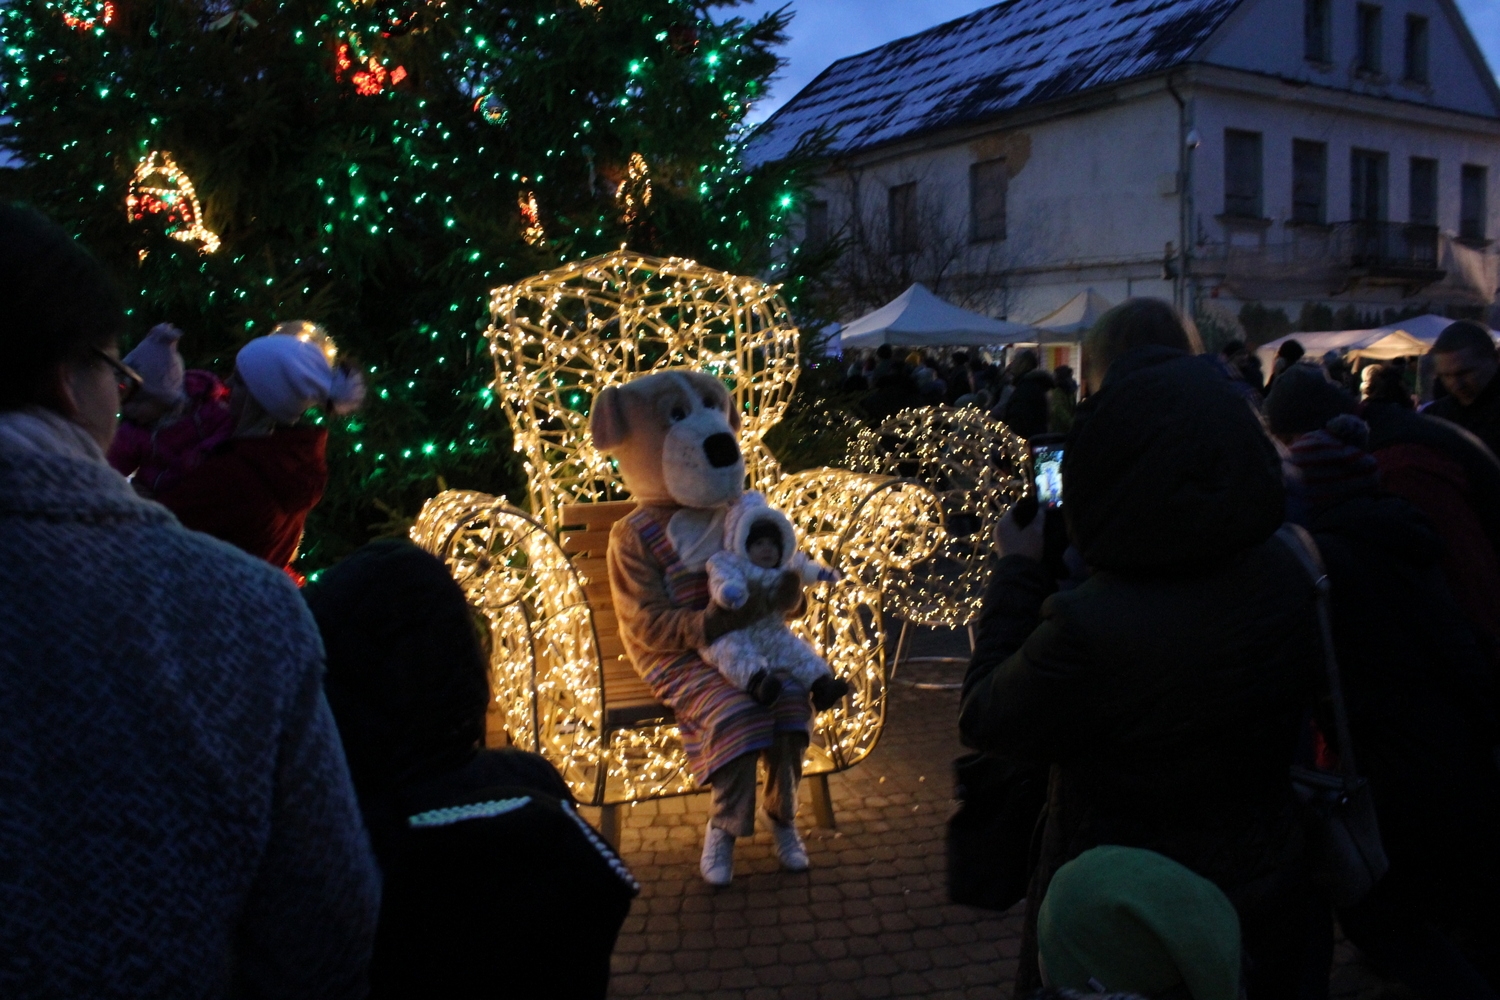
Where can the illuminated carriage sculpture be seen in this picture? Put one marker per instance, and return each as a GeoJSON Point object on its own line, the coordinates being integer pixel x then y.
{"type": "Point", "coordinates": [979, 468]}
{"type": "Point", "coordinates": [562, 684]}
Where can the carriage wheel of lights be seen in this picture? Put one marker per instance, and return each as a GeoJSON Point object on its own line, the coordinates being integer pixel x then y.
{"type": "Point", "coordinates": [558, 339]}
{"type": "Point", "coordinates": [544, 655]}
{"type": "Point", "coordinates": [979, 467]}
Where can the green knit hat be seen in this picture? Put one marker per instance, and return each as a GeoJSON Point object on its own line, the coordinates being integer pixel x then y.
{"type": "Point", "coordinates": [1132, 920]}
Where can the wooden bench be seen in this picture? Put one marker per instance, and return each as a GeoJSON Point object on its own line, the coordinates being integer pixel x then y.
{"type": "Point", "coordinates": [628, 702]}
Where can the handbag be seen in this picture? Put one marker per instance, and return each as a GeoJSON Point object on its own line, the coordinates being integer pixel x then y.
{"type": "Point", "coordinates": [993, 834]}
{"type": "Point", "coordinates": [1344, 849]}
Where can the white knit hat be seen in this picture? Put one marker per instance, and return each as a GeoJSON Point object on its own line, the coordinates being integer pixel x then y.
{"type": "Point", "coordinates": [750, 509]}
{"type": "Point", "coordinates": [287, 375]}
{"type": "Point", "coordinates": [159, 364]}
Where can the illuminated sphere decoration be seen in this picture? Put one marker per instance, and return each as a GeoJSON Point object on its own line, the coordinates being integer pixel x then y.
{"type": "Point", "coordinates": [980, 468]}
{"type": "Point", "coordinates": [558, 339]}
{"type": "Point", "coordinates": [309, 333]}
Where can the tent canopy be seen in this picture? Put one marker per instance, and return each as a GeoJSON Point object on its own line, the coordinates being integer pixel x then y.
{"type": "Point", "coordinates": [917, 318]}
{"type": "Point", "coordinates": [1077, 315]}
{"type": "Point", "coordinates": [1394, 340]}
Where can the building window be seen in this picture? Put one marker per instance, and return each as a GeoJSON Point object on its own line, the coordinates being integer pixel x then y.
{"type": "Point", "coordinates": [1471, 202]}
{"type": "Point", "coordinates": [1316, 31]}
{"type": "Point", "coordinates": [1242, 174]}
{"type": "Point", "coordinates": [1309, 181]}
{"type": "Point", "coordinates": [817, 225]}
{"type": "Point", "coordinates": [1367, 186]}
{"type": "Point", "coordinates": [987, 183]}
{"type": "Point", "coordinates": [1367, 43]}
{"type": "Point", "coordinates": [1416, 49]}
{"type": "Point", "coordinates": [903, 217]}
{"type": "Point", "coordinates": [1423, 191]}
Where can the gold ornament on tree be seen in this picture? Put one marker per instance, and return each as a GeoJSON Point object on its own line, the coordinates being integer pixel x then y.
{"type": "Point", "coordinates": [634, 192]}
{"type": "Point", "coordinates": [531, 218]}
{"type": "Point", "coordinates": [161, 188]}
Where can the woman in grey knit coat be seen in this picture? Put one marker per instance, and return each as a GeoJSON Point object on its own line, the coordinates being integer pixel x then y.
{"type": "Point", "coordinates": [176, 816]}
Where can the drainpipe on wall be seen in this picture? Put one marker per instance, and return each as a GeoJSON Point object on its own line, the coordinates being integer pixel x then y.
{"type": "Point", "coordinates": [1187, 141]}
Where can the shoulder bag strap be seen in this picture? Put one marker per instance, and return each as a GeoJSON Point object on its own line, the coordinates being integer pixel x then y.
{"type": "Point", "coordinates": [1297, 538]}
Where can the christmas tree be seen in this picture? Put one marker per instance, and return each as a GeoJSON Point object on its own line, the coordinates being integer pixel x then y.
{"type": "Point", "coordinates": [377, 167]}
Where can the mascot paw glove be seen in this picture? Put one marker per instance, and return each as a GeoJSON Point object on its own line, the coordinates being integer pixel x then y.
{"type": "Point", "coordinates": [718, 621]}
{"type": "Point", "coordinates": [788, 593]}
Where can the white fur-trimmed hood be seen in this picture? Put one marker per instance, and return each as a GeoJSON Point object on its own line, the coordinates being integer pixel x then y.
{"type": "Point", "coordinates": [745, 512]}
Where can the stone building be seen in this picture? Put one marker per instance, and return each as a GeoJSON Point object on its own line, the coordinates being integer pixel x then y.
{"type": "Point", "coordinates": [1212, 152]}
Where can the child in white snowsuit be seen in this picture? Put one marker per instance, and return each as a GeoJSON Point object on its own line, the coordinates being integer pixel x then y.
{"type": "Point", "coordinates": [760, 545]}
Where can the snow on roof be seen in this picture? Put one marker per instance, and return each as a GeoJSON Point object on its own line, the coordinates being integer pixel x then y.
{"type": "Point", "coordinates": [1016, 53]}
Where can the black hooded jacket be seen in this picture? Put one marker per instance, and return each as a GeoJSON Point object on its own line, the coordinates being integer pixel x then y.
{"type": "Point", "coordinates": [1026, 411]}
{"type": "Point", "coordinates": [1168, 688]}
{"type": "Point", "coordinates": [487, 864]}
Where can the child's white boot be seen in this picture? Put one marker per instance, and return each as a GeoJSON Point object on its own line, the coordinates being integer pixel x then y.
{"type": "Point", "coordinates": [790, 850]}
{"type": "Point", "coordinates": [717, 863]}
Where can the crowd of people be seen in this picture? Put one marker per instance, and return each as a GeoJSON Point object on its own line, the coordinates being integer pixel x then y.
{"type": "Point", "coordinates": [1174, 678]}
{"type": "Point", "coordinates": [1029, 399]}
{"type": "Point", "coordinates": [213, 784]}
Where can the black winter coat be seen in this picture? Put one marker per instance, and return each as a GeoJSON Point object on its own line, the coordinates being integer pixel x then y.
{"type": "Point", "coordinates": [517, 897]}
{"type": "Point", "coordinates": [1169, 705]}
{"type": "Point", "coordinates": [1167, 690]}
{"type": "Point", "coordinates": [1421, 702]}
{"type": "Point", "coordinates": [1026, 411]}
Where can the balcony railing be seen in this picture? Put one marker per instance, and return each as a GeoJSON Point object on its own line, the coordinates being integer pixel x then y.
{"type": "Point", "coordinates": [1389, 245]}
{"type": "Point", "coordinates": [1314, 260]}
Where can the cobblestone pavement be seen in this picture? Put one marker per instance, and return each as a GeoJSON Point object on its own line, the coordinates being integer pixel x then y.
{"type": "Point", "coordinates": [870, 920]}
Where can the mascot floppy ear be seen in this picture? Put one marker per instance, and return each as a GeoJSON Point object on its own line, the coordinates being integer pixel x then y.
{"type": "Point", "coordinates": [607, 423]}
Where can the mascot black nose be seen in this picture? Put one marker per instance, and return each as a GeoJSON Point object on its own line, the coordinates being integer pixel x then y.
{"type": "Point", "coordinates": [721, 450]}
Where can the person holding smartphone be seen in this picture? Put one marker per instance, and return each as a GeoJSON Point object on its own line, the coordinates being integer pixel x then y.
{"type": "Point", "coordinates": [1166, 690]}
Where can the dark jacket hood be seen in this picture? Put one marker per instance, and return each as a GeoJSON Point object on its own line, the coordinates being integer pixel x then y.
{"type": "Point", "coordinates": [407, 680]}
{"type": "Point", "coordinates": [1168, 468]}
{"type": "Point", "coordinates": [292, 463]}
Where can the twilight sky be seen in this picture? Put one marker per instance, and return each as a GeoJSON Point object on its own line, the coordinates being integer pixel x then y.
{"type": "Point", "coordinates": [825, 30]}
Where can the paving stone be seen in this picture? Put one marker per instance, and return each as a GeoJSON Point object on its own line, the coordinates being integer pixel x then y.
{"type": "Point", "coordinates": [872, 918]}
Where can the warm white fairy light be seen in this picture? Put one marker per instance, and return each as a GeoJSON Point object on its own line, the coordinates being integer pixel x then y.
{"type": "Point", "coordinates": [980, 468]}
{"type": "Point", "coordinates": [310, 333]}
{"type": "Point", "coordinates": [558, 339]}
{"type": "Point", "coordinates": [160, 187]}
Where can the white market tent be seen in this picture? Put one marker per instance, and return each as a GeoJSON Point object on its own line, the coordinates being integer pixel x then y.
{"type": "Point", "coordinates": [1382, 343]}
{"type": "Point", "coordinates": [1076, 316]}
{"type": "Point", "coordinates": [917, 318]}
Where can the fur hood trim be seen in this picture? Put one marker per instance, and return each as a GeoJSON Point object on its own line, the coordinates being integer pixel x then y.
{"type": "Point", "coordinates": [745, 513]}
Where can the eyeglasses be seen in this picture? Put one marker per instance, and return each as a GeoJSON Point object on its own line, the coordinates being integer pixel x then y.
{"type": "Point", "coordinates": [127, 379]}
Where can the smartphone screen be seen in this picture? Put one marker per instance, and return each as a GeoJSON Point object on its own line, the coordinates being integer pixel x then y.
{"type": "Point", "coordinates": [1046, 460]}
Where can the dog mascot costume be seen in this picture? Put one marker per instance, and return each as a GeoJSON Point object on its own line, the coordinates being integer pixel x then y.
{"type": "Point", "coordinates": [674, 437]}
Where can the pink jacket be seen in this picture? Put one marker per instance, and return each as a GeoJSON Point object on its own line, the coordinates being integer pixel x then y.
{"type": "Point", "coordinates": [161, 455]}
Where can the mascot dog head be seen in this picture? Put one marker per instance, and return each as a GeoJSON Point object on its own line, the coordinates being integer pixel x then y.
{"type": "Point", "coordinates": [674, 434]}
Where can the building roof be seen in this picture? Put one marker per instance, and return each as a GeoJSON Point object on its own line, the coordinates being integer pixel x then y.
{"type": "Point", "coordinates": [1007, 56]}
